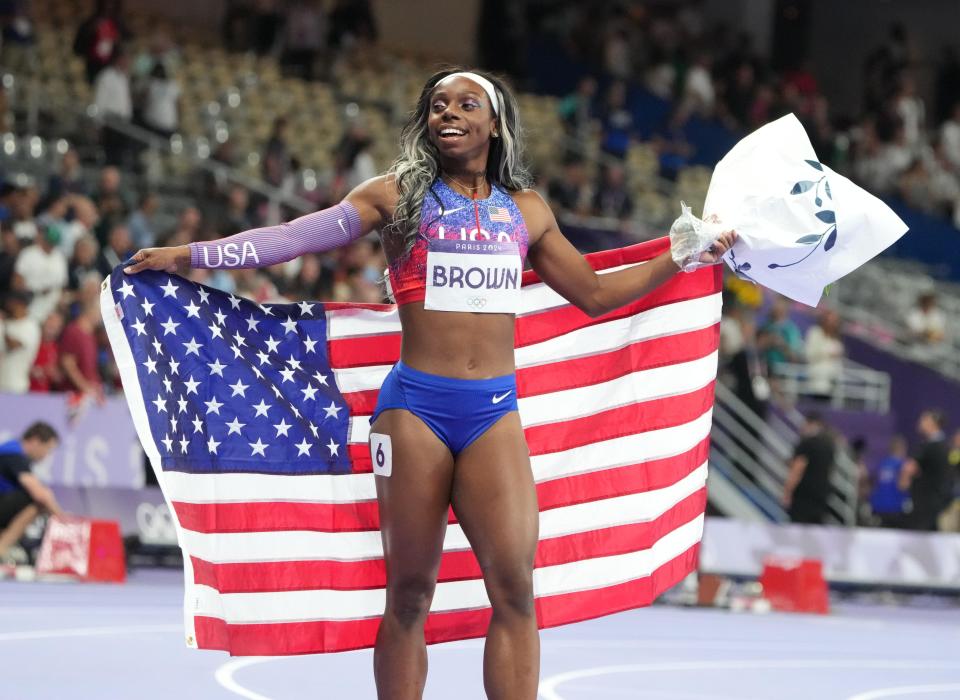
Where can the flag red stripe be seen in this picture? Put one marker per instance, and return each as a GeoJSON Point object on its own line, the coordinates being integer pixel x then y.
{"type": "Point", "coordinates": [254, 577]}
{"type": "Point", "coordinates": [631, 419]}
{"type": "Point", "coordinates": [266, 516]}
{"type": "Point", "coordinates": [584, 371]}
{"type": "Point", "coordinates": [289, 638]}
{"type": "Point", "coordinates": [602, 367]}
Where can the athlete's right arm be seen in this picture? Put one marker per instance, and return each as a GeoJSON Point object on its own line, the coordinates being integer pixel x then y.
{"type": "Point", "coordinates": [361, 211]}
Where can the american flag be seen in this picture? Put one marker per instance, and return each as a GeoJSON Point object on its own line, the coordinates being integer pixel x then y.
{"type": "Point", "coordinates": [256, 417]}
{"type": "Point", "coordinates": [501, 214]}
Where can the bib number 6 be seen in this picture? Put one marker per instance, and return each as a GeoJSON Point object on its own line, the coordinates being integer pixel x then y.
{"type": "Point", "coordinates": [382, 452]}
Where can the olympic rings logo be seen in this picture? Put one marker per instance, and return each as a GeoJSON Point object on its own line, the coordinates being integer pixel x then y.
{"type": "Point", "coordinates": [477, 302]}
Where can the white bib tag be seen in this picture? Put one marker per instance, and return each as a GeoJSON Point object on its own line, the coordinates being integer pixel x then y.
{"type": "Point", "coordinates": [477, 276]}
{"type": "Point", "coordinates": [381, 454]}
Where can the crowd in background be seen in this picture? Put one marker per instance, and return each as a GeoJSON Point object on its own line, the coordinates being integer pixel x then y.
{"type": "Point", "coordinates": [897, 144]}
{"type": "Point", "coordinates": [59, 238]}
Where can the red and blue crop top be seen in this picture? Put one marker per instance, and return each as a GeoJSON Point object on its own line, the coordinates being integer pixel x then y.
{"type": "Point", "coordinates": [447, 214]}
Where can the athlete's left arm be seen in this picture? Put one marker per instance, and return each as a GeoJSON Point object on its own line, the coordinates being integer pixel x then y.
{"type": "Point", "coordinates": [565, 270]}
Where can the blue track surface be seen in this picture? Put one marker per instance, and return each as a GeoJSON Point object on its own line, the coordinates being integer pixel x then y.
{"type": "Point", "coordinates": [68, 641]}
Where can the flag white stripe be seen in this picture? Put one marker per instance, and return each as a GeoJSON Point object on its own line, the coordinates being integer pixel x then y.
{"type": "Point", "coordinates": [301, 606]}
{"type": "Point", "coordinates": [348, 488]}
{"type": "Point", "coordinates": [303, 545]}
{"type": "Point", "coordinates": [569, 404]}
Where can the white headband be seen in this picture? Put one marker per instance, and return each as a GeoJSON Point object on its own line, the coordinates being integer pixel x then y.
{"type": "Point", "coordinates": [482, 82]}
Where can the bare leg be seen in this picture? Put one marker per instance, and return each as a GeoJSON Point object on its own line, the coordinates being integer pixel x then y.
{"type": "Point", "coordinates": [413, 504]}
{"type": "Point", "coordinates": [15, 529]}
{"type": "Point", "coordinates": [495, 500]}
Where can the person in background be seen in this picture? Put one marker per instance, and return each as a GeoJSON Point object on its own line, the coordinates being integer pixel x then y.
{"type": "Point", "coordinates": [571, 192]}
{"type": "Point", "coordinates": [68, 179]}
{"type": "Point", "coordinates": [119, 248]}
{"type": "Point", "coordinates": [950, 518]}
{"type": "Point", "coordinates": [78, 353]}
{"type": "Point", "coordinates": [43, 268]}
{"type": "Point", "coordinates": [611, 198]}
{"type": "Point", "coordinates": [304, 36]}
{"type": "Point", "coordinates": [888, 501]}
{"type": "Point", "coordinates": [808, 480]}
{"type": "Point", "coordinates": [19, 341]}
{"type": "Point", "coordinates": [927, 475]}
{"type": "Point", "coordinates": [783, 335]}
{"type": "Point", "coordinates": [276, 154]}
{"type": "Point", "coordinates": [617, 121]}
{"type": "Point", "coordinates": [98, 37]}
{"type": "Point", "coordinates": [926, 322]}
{"type": "Point", "coordinates": [22, 495]}
{"type": "Point", "coordinates": [142, 228]}
{"type": "Point", "coordinates": [46, 375]}
{"type": "Point", "coordinates": [576, 109]}
{"type": "Point", "coordinates": [114, 101]}
{"type": "Point", "coordinates": [161, 109]}
{"type": "Point", "coordinates": [824, 352]}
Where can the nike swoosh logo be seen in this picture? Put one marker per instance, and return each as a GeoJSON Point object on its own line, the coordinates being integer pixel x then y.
{"type": "Point", "coordinates": [498, 399]}
{"type": "Point", "coordinates": [342, 227]}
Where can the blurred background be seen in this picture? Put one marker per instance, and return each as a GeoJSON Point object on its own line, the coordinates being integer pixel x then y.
{"type": "Point", "coordinates": [133, 124]}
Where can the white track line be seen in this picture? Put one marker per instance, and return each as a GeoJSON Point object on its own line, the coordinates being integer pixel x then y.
{"type": "Point", "coordinates": [548, 686]}
{"type": "Point", "coordinates": [904, 689]}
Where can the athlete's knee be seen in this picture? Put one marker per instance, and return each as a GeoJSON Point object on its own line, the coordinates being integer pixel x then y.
{"type": "Point", "coordinates": [510, 589]}
{"type": "Point", "coordinates": [408, 599]}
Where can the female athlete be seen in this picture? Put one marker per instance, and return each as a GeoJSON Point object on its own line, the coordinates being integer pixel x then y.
{"type": "Point", "coordinates": [457, 221]}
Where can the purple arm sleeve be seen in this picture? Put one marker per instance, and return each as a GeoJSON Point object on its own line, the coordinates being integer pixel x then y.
{"type": "Point", "coordinates": [259, 247]}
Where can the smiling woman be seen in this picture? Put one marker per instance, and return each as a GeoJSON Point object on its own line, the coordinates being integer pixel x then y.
{"type": "Point", "coordinates": [458, 222]}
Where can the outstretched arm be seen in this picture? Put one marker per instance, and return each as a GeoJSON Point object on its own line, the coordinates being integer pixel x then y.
{"type": "Point", "coordinates": [361, 211]}
{"type": "Point", "coordinates": [564, 269]}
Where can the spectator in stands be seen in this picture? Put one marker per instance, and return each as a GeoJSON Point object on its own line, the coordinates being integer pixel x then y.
{"type": "Point", "coordinates": [739, 96]}
{"type": "Point", "coordinates": [699, 94]}
{"type": "Point", "coordinates": [352, 158]}
{"type": "Point", "coordinates": [236, 215]}
{"type": "Point", "coordinates": [611, 199]}
{"type": "Point", "coordinates": [950, 518]}
{"type": "Point", "coordinates": [926, 323]}
{"type": "Point", "coordinates": [86, 253]}
{"type": "Point", "coordinates": [571, 191]}
{"type": "Point", "coordinates": [78, 353]}
{"type": "Point", "coordinates": [748, 368]}
{"type": "Point", "coordinates": [19, 341]}
{"type": "Point", "coordinates": [276, 154]}
{"type": "Point", "coordinates": [22, 495]}
{"type": "Point", "coordinates": [119, 248]}
{"type": "Point", "coordinates": [99, 36]}
{"type": "Point", "coordinates": [927, 475]}
{"type": "Point", "coordinates": [824, 352]}
{"type": "Point", "coordinates": [888, 500]}
{"type": "Point", "coordinates": [783, 335]}
{"type": "Point", "coordinates": [187, 229]}
{"type": "Point", "coordinates": [46, 375]}
{"type": "Point", "coordinates": [576, 109]}
{"type": "Point", "coordinates": [161, 108]}
{"type": "Point", "coordinates": [112, 202]}
{"type": "Point", "coordinates": [141, 223]}
{"type": "Point", "coordinates": [114, 103]}
{"type": "Point", "coordinates": [950, 137]}
{"type": "Point", "coordinates": [910, 110]}
{"type": "Point", "coordinates": [617, 57]}
{"type": "Point", "coordinates": [9, 250]}
{"type": "Point", "coordinates": [23, 201]}
{"type": "Point", "coordinates": [807, 485]}
{"type": "Point", "coordinates": [304, 36]}
{"type": "Point", "coordinates": [267, 22]}
{"type": "Point", "coordinates": [617, 121]}
{"type": "Point", "coordinates": [43, 269]}
{"type": "Point", "coordinates": [69, 178]}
